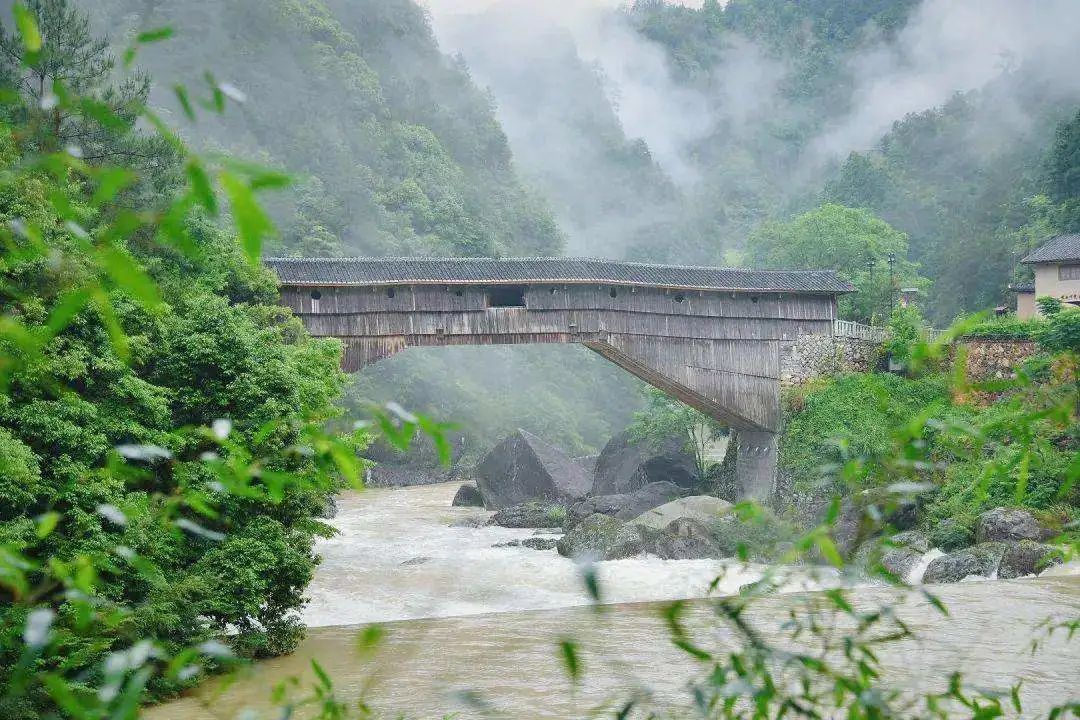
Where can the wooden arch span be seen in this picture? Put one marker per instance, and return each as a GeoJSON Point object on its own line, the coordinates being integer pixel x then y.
{"type": "Point", "coordinates": [712, 337]}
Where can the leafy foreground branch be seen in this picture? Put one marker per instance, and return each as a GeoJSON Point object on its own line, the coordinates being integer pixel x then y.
{"type": "Point", "coordinates": [165, 456]}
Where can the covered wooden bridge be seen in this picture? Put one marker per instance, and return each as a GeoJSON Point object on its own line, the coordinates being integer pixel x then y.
{"type": "Point", "coordinates": [712, 337]}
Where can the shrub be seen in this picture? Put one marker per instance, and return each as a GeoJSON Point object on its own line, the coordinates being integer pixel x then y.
{"type": "Point", "coordinates": [851, 416]}
{"type": "Point", "coordinates": [1004, 328]}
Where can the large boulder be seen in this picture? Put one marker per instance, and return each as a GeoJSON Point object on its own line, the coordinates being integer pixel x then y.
{"type": "Point", "coordinates": [701, 508]}
{"type": "Point", "coordinates": [687, 539]}
{"type": "Point", "coordinates": [981, 560]}
{"type": "Point", "coordinates": [951, 534]}
{"type": "Point", "coordinates": [523, 467]}
{"type": "Point", "coordinates": [624, 506]}
{"type": "Point", "coordinates": [903, 553]}
{"type": "Point", "coordinates": [764, 537]}
{"type": "Point", "coordinates": [468, 496]}
{"type": "Point", "coordinates": [1027, 558]}
{"type": "Point", "coordinates": [625, 466]}
{"type": "Point", "coordinates": [602, 537]}
{"type": "Point", "coordinates": [531, 514]}
{"type": "Point", "coordinates": [1008, 524]}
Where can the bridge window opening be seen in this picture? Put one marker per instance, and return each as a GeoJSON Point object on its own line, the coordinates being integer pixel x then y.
{"type": "Point", "coordinates": [680, 298]}
{"type": "Point", "coordinates": [754, 299]}
{"type": "Point", "coordinates": [506, 296]}
{"type": "Point", "coordinates": [459, 292]}
{"type": "Point", "coordinates": [553, 290]}
{"type": "Point", "coordinates": [613, 293]}
{"type": "Point", "coordinates": [390, 293]}
{"type": "Point", "coordinates": [316, 295]}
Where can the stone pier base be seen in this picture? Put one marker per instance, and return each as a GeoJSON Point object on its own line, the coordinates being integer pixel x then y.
{"type": "Point", "coordinates": [757, 462]}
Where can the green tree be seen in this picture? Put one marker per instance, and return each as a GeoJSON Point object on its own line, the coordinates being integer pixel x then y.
{"type": "Point", "coordinates": [1063, 172]}
{"type": "Point", "coordinates": [131, 325]}
{"type": "Point", "coordinates": [861, 247]}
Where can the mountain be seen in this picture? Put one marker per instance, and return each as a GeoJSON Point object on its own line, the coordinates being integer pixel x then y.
{"type": "Point", "coordinates": [396, 150]}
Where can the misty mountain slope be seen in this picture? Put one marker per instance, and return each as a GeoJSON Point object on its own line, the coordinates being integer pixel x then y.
{"type": "Point", "coordinates": [964, 182]}
{"type": "Point", "coordinates": [397, 151]}
{"type": "Point", "coordinates": [610, 195]}
{"type": "Point", "coordinates": [948, 106]}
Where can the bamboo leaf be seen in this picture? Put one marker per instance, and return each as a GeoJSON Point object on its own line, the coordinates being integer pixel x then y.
{"type": "Point", "coordinates": [28, 28]}
{"type": "Point", "coordinates": [568, 652]}
{"type": "Point", "coordinates": [184, 99]}
{"type": "Point", "coordinates": [201, 188]}
{"type": "Point", "coordinates": [155, 35]}
{"type": "Point", "coordinates": [126, 273]}
{"type": "Point", "coordinates": [252, 223]}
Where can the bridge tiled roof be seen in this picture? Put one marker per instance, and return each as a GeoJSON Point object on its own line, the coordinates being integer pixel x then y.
{"type": "Point", "coordinates": [1057, 249]}
{"type": "Point", "coordinates": [452, 271]}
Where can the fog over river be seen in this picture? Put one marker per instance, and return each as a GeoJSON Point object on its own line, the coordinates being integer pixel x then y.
{"type": "Point", "coordinates": [465, 617]}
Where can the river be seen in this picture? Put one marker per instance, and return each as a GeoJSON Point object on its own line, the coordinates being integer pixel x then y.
{"type": "Point", "coordinates": [469, 623]}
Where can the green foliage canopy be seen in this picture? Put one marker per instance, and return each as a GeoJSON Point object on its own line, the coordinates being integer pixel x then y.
{"type": "Point", "coordinates": [862, 248]}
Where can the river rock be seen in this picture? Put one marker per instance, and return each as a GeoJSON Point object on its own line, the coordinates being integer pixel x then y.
{"type": "Point", "coordinates": [950, 534]}
{"type": "Point", "coordinates": [601, 537]}
{"type": "Point", "coordinates": [523, 467]}
{"type": "Point", "coordinates": [1027, 558]}
{"type": "Point", "coordinates": [531, 514]}
{"type": "Point", "coordinates": [701, 508]}
{"type": "Point", "coordinates": [416, 561]}
{"type": "Point", "coordinates": [540, 543]}
{"type": "Point", "coordinates": [470, 521]}
{"type": "Point", "coordinates": [903, 552]}
{"type": "Point", "coordinates": [687, 539]}
{"type": "Point", "coordinates": [624, 506]}
{"type": "Point", "coordinates": [900, 561]}
{"type": "Point", "coordinates": [981, 560]}
{"type": "Point", "coordinates": [625, 466]}
{"type": "Point", "coordinates": [912, 540]}
{"type": "Point", "coordinates": [468, 495]}
{"type": "Point", "coordinates": [1008, 524]}
{"type": "Point", "coordinates": [764, 537]}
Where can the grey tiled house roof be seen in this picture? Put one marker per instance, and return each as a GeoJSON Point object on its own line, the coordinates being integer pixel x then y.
{"type": "Point", "coordinates": [388, 271]}
{"type": "Point", "coordinates": [1056, 249]}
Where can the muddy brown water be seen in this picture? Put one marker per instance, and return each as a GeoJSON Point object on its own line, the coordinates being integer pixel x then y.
{"type": "Point", "coordinates": [466, 622]}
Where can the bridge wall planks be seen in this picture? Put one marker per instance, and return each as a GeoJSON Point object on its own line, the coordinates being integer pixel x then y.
{"type": "Point", "coordinates": [441, 298]}
{"type": "Point", "coordinates": [718, 351]}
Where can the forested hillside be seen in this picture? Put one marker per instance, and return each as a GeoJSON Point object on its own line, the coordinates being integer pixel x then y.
{"type": "Point", "coordinates": [751, 114]}
{"type": "Point", "coordinates": [397, 150]}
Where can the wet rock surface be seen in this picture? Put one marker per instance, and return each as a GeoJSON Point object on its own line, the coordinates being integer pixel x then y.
{"type": "Point", "coordinates": [1027, 558]}
{"type": "Point", "coordinates": [1005, 524]}
{"type": "Point", "coordinates": [531, 514]}
{"type": "Point", "coordinates": [540, 543]}
{"type": "Point", "coordinates": [601, 537]}
{"type": "Point", "coordinates": [686, 539]}
{"type": "Point", "coordinates": [523, 467]}
{"type": "Point", "coordinates": [624, 506]}
{"type": "Point", "coordinates": [981, 560]}
{"type": "Point", "coordinates": [468, 495]}
{"type": "Point", "coordinates": [625, 465]}
{"type": "Point", "coordinates": [704, 509]}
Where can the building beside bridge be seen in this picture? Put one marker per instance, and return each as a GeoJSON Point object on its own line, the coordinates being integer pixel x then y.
{"type": "Point", "coordinates": [717, 339]}
{"type": "Point", "coordinates": [1057, 274]}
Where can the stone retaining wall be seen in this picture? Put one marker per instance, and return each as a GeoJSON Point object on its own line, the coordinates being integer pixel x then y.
{"type": "Point", "coordinates": [996, 359]}
{"type": "Point", "coordinates": [815, 356]}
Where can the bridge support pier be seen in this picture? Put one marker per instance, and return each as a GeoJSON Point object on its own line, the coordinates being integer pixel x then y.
{"type": "Point", "coordinates": [756, 464]}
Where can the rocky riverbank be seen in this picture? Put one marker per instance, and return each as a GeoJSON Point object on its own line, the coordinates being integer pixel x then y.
{"type": "Point", "coordinates": [646, 499]}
